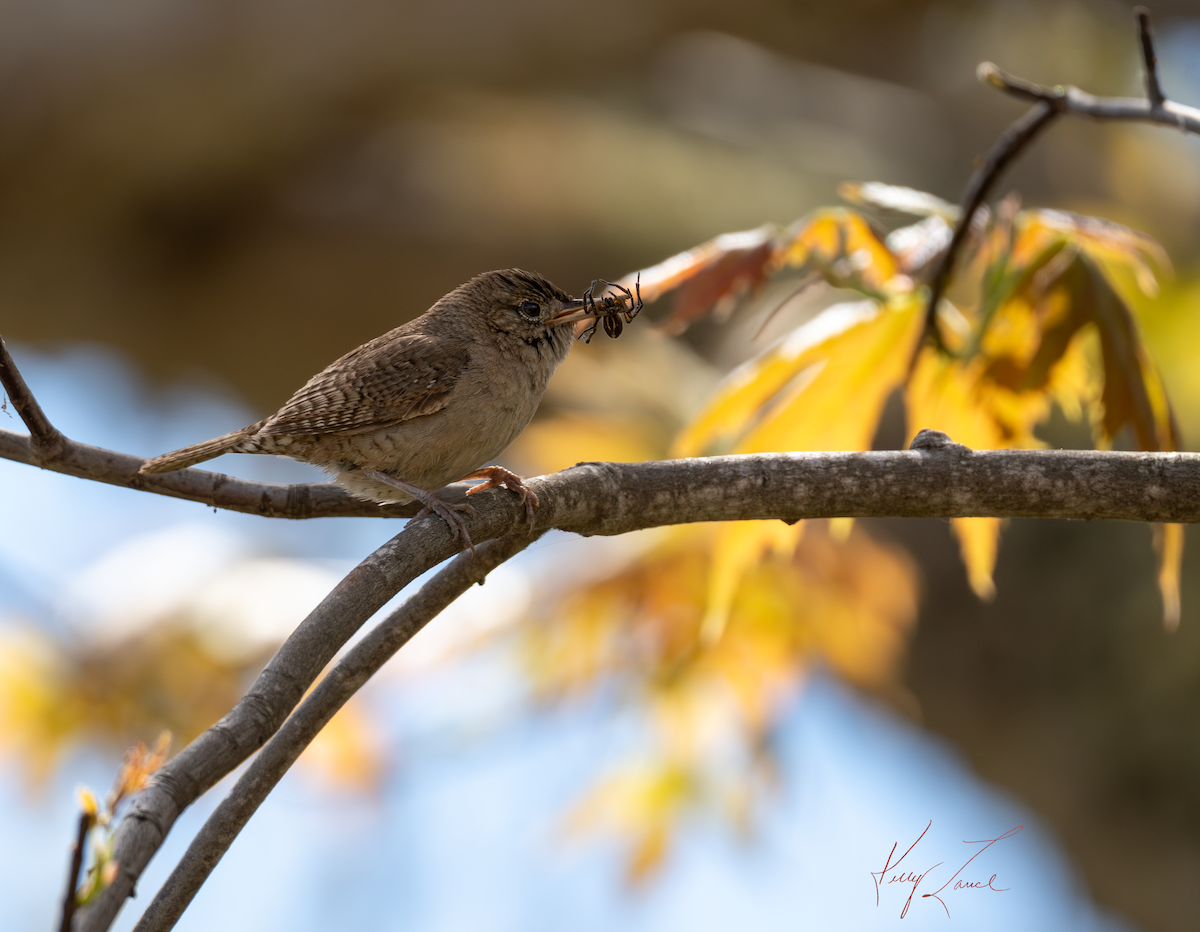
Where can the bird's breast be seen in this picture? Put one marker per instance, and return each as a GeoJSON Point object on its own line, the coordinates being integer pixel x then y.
{"type": "Point", "coordinates": [483, 415]}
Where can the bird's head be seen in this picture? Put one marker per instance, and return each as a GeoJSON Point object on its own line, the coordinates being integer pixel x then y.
{"type": "Point", "coordinates": [526, 306]}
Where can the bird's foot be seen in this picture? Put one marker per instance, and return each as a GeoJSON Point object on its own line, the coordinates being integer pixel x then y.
{"type": "Point", "coordinates": [497, 477]}
{"type": "Point", "coordinates": [449, 512]}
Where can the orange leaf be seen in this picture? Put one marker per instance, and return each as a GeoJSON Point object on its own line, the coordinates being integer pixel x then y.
{"type": "Point", "coordinates": [137, 767]}
{"type": "Point", "coordinates": [713, 275]}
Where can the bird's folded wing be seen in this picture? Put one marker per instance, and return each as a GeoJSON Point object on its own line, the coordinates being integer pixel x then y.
{"type": "Point", "coordinates": [391, 379]}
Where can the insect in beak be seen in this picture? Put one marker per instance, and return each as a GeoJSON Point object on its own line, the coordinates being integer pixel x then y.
{"type": "Point", "coordinates": [615, 308]}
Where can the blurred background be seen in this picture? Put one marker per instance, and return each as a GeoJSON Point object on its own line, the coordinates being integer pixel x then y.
{"type": "Point", "coordinates": [202, 204]}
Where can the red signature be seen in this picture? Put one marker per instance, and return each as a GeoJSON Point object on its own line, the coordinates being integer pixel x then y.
{"type": "Point", "coordinates": [882, 879]}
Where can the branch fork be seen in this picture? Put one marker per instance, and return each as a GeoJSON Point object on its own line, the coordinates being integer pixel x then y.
{"type": "Point", "coordinates": [1050, 102]}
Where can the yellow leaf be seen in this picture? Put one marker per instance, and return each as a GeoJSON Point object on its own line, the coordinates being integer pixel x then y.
{"type": "Point", "coordinates": [841, 244]}
{"type": "Point", "coordinates": [1168, 541]}
{"type": "Point", "coordinates": [1107, 242]}
{"type": "Point", "coordinates": [647, 855]}
{"type": "Point", "coordinates": [832, 378]}
{"type": "Point", "coordinates": [979, 539]}
{"type": "Point", "coordinates": [857, 603]}
{"type": "Point", "coordinates": [945, 394]}
{"type": "Point", "coordinates": [821, 388]}
{"type": "Point", "coordinates": [38, 711]}
{"type": "Point", "coordinates": [840, 528]}
{"type": "Point", "coordinates": [949, 395]}
{"type": "Point", "coordinates": [164, 677]}
{"type": "Point", "coordinates": [838, 406]}
{"type": "Point", "coordinates": [738, 546]}
{"type": "Point", "coordinates": [554, 443]}
{"type": "Point", "coordinates": [87, 801]}
{"type": "Point", "coordinates": [346, 752]}
{"type": "Point", "coordinates": [640, 804]}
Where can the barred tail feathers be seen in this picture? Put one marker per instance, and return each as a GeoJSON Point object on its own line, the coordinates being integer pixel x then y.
{"type": "Point", "coordinates": [199, 452]}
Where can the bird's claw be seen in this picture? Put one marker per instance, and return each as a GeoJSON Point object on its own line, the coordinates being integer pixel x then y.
{"type": "Point", "coordinates": [451, 513]}
{"type": "Point", "coordinates": [447, 511]}
{"type": "Point", "coordinates": [497, 477]}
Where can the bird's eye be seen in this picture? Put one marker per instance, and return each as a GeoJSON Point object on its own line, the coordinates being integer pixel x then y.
{"type": "Point", "coordinates": [530, 309]}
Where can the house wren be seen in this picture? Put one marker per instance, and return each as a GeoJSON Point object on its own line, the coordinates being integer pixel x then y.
{"type": "Point", "coordinates": [425, 404]}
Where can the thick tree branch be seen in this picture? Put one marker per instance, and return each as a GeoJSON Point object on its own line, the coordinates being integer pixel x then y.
{"type": "Point", "coordinates": [346, 678]}
{"type": "Point", "coordinates": [1050, 102]}
{"type": "Point", "coordinates": [937, 479]}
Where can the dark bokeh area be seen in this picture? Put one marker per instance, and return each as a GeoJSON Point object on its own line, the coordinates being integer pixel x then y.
{"type": "Point", "coordinates": [235, 194]}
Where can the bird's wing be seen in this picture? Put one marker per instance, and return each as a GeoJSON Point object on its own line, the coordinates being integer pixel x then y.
{"type": "Point", "coordinates": [393, 378]}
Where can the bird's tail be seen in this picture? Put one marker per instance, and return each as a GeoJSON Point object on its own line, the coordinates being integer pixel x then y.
{"type": "Point", "coordinates": [199, 452]}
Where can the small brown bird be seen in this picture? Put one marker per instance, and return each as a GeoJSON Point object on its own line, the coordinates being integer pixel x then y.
{"type": "Point", "coordinates": [425, 404]}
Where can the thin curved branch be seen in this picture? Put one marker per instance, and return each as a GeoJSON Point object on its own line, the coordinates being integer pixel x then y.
{"type": "Point", "coordinates": [263, 709]}
{"type": "Point", "coordinates": [938, 478]}
{"type": "Point", "coordinates": [346, 678]}
{"type": "Point", "coordinates": [45, 438]}
{"type": "Point", "coordinates": [1154, 91]}
{"type": "Point", "coordinates": [70, 895]}
{"type": "Point", "coordinates": [983, 179]}
{"type": "Point", "coordinates": [1050, 102]}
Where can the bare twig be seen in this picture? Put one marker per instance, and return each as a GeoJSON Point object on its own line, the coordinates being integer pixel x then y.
{"type": "Point", "coordinates": [1006, 148]}
{"type": "Point", "coordinates": [46, 441]}
{"type": "Point", "coordinates": [1049, 102]}
{"type": "Point", "coordinates": [350, 674]}
{"type": "Point", "coordinates": [70, 897]}
{"type": "Point", "coordinates": [1154, 91]}
{"type": "Point", "coordinates": [1080, 103]}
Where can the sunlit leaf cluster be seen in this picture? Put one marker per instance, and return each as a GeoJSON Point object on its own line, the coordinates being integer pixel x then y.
{"type": "Point", "coordinates": [98, 824]}
{"type": "Point", "coordinates": [706, 634]}
{"type": "Point", "coordinates": [56, 696]}
{"type": "Point", "coordinates": [712, 628]}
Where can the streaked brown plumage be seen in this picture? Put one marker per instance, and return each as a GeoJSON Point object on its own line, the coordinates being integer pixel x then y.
{"type": "Point", "coordinates": [425, 404]}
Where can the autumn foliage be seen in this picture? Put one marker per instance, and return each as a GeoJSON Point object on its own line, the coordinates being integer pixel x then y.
{"type": "Point", "coordinates": [706, 632]}
{"type": "Point", "coordinates": [709, 628]}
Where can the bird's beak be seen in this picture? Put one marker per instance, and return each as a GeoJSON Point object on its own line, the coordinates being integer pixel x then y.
{"type": "Point", "coordinates": [573, 312]}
